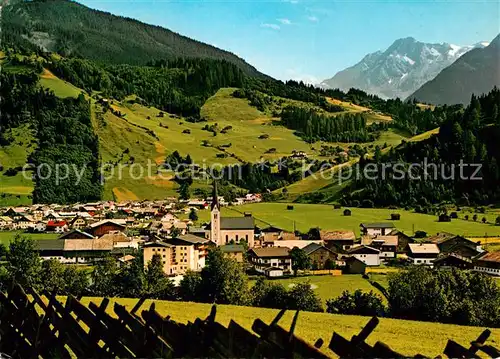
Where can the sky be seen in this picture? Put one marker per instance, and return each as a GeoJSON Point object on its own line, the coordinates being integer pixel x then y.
{"type": "Point", "coordinates": [312, 40]}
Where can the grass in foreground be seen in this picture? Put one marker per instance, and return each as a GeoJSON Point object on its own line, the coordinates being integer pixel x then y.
{"type": "Point", "coordinates": [306, 216]}
{"type": "Point", "coordinates": [407, 337]}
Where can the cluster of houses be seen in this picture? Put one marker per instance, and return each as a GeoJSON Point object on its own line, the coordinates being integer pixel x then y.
{"type": "Point", "coordinates": [90, 231]}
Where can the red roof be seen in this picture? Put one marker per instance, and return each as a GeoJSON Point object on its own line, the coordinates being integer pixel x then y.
{"type": "Point", "coordinates": [56, 223]}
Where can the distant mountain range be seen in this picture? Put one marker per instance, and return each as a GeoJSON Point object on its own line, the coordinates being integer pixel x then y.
{"type": "Point", "coordinates": [401, 69]}
{"type": "Point", "coordinates": [69, 28]}
{"type": "Point", "coordinates": [476, 72]}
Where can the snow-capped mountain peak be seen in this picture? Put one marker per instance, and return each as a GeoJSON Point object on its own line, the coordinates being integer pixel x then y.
{"type": "Point", "coordinates": [401, 69]}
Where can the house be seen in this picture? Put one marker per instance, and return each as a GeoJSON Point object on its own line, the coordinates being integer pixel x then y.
{"type": "Point", "coordinates": [68, 250]}
{"type": "Point", "coordinates": [121, 240]}
{"type": "Point", "coordinates": [450, 243]}
{"type": "Point", "coordinates": [320, 256]}
{"type": "Point", "coordinates": [423, 253]}
{"type": "Point", "coordinates": [78, 222]}
{"type": "Point", "coordinates": [24, 221]}
{"type": "Point", "coordinates": [299, 243]}
{"type": "Point", "coordinates": [354, 266]}
{"type": "Point", "coordinates": [272, 229]}
{"type": "Point", "coordinates": [15, 212]}
{"type": "Point", "coordinates": [376, 229]}
{"type": "Point", "coordinates": [234, 251]}
{"type": "Point", "coordinates": [105, 226]}
{"type": "Point", "coordinates": [126, 260]}
{"type": "Point", "coordinates": [387, 245]}
{"type": "Point", "coordinates": [333, 240]}
{"type": "Point", "coordinates": [57, 226]}
{"type": "Point", "coordinates": [403, 240]}
{"type": "Point", "coordinates": [368, 255]}
{"type": "Point", "coordinates": [270, 257]}
{"type": "Point", "coordinates": [224, 230]}
{"type": "Point", "coordinates": [450, 260]}
{"type": "Point", "coordinates": [273, 272]}
{"type": "Point", "coordinates": [177, 255]}
{"type": "Point", "coordinates": [39, 226]}
{"type": "Point", "coordinates": [488, 262]}
{"type": "Point", "coordinates": [169, 227]}
{"type": "Point", "coordinates": [76, 234]}
{"type": "Point", "coordinates": [5, 222]}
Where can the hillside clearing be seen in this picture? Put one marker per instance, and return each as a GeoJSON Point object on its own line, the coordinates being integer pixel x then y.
{"type": "Point", "coordinates": [60, 87]}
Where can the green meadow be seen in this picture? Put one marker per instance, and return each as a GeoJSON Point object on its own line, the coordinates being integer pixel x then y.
{"type": "Point", "coordinates": [7, 236]}
{"type": "Point", "coordinates": [306, 216]}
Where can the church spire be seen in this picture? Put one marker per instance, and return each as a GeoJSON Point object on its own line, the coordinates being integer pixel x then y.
{"type": "Point", "coordinates": [215, 197]}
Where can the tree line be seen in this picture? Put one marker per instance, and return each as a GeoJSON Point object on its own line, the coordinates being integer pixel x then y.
{"type": "Point", "coordinates": [314, 126]}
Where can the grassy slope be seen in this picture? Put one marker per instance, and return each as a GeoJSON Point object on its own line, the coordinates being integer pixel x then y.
{"type": "Point", "coordinates": [14, 190]}
{"type": "Point", "coordinates": [60, 87]}
{"type": "Point", "coordinates": [118, 134]}
{"type": "Point", "coordinates": [307, 216]}
{"type": "Point", "coordinates": [407, 337]}
{"type": "Point", "coordinates": [6, 237]}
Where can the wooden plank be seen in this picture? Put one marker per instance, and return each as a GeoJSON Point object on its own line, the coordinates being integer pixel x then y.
{"type": "Point", "coordinates": [455, 350]}
{"type": "Point", "coordinates": [97, 329]}
{"type": "Point", "coordinates": [153, 346]}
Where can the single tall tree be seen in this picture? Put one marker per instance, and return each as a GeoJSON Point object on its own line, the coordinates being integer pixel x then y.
{"type": "Point", "coordinates": [300, 260]}
{"type": "Point", "coordinates": [158, 286]}
{"type": "Point", "coordinates": [23, 262]}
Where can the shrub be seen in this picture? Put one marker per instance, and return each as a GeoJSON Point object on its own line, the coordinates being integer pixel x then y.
{"type": "Point", "coordinates": [367, 203]}
{"type": "Point", "coordinates": [186, 131]}
{"type": "Point", "coordinates": [357, 303]}
{"type": "Point", "coordinates": [420, 234]}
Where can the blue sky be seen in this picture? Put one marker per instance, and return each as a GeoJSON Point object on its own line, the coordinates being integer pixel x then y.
{"type": "Point", "coordinates": [312, 40]}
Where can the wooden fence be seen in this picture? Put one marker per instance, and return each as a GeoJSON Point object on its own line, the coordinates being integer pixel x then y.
{"type": "Point", "coordinates": [40, 326]}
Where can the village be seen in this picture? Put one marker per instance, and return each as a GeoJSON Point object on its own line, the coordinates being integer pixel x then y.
{"type": "Point", "coordinates": [88, 232]}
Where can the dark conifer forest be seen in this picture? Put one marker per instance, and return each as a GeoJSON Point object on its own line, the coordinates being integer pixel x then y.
{"type": "Point", "coordinates": [471, 136]}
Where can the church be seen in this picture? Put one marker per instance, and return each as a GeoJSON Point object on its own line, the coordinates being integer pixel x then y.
{"type": "Point", "coordinates": [224, 230]}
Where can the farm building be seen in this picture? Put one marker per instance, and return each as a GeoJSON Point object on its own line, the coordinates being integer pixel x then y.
{"type": "Point", "coordinates": [271, 257]}
{"type": "Point", "coordinates": [368, 255]}
{"type": "Point", "coordinates": [423, 253]}
{"type": "Point", "coordinates": [488, 263]}
{"type": "Point", "coordinates": [342, 240]}
{"type": "Point", "coordinates": [376, 229]}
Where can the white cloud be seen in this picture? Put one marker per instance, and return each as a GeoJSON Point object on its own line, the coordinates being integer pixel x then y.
{"type": "Point", "coordinates": [285, 21]}
{"type": "Point", "coordinates": [270, 26]}
{"type": "Point", "coordinates": [291, 1]}
{"type": "Point", "coordinates": [312, 18]}
{"type": "Point", "coordinates": [298, 75]}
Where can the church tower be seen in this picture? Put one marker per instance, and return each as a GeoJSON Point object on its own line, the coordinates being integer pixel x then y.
{"type": "Point", "coordinates": [215, 217]}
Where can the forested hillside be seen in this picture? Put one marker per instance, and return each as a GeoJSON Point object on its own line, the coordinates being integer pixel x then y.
{"type": "Point", "coordinates": [72, 29]}
{"type": "Point", "coordinates": [63, 133]}
{"type": "Point", "coordinates": [178, 86]}
{"type": "Point", "coordinates": [471, 136]}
